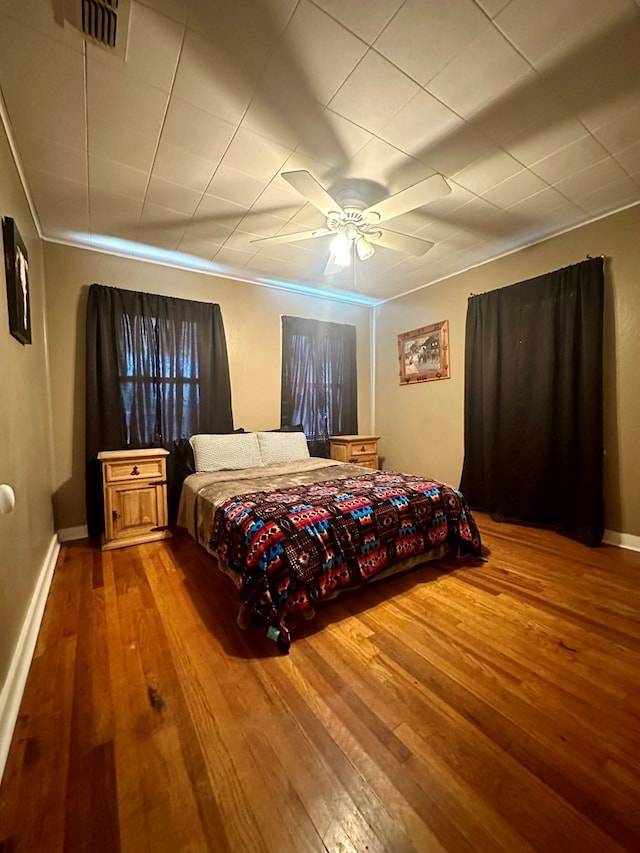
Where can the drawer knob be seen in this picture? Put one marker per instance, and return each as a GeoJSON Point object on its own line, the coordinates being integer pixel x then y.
{"type": "Point", "coordinates": [362, 449]}
{"type": "Point", "coordinates": [134, 471]}
{"type": "Point", "coordinates": [115, 515]}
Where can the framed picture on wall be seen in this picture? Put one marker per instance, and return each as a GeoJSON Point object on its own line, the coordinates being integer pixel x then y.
{"type": "Point", "coordinates": [16, 266]}
{"type": "Point", "coordinates": [423, 354]}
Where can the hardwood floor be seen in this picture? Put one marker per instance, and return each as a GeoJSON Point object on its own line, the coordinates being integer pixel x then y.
{"type": "Point", "coordinates": [457, 708]}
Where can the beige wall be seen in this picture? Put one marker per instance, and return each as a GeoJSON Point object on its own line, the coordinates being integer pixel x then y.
{"type": "Point", "coordinates": [422, 425]}
{"type": "Point", "coordinates": [252, 324]}
{"type": "Point", "coordinates": [25, 424]}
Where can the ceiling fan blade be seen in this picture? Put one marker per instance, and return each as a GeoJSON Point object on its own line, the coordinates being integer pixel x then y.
{"type": "Point", "coordinates": [413, 197]}
{"type": "Point", "coordinates": [291, 238]}
{"type": "Point", "coordinates": [400, 242]}
{"type": "Point", "coordinates": [307, 186]}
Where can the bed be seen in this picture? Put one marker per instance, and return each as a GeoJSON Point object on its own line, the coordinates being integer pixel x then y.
{"type": "Point", "coordinates": [293, 530]}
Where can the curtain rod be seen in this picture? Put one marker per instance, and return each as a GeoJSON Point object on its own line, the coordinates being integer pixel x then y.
{"type": "Point", "coordinates": [588, 258]}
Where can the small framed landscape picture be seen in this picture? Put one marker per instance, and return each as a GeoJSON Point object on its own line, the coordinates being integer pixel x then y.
{"type": "Point", "coordinates": [16, 266]}
{"type": "Point", "coordinates": [423, 354]}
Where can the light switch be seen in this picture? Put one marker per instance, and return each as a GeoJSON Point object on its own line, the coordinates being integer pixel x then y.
{"type": "Point", "coordinates": [7, 498]}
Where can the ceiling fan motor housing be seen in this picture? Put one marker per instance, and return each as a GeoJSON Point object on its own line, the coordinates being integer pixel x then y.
{"type": "Point", "coordinates": [351, 221]}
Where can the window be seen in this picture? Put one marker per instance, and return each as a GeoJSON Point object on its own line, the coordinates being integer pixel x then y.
{"type": "Point", "coordinates": [319, 380]}
{"type": "Point", "coordinates": [159, 377]}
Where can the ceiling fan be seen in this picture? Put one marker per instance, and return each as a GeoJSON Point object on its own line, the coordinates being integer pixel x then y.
{"type": "Point", "coordinates": [354, 224]}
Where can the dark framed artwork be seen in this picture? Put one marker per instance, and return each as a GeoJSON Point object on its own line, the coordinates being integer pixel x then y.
{"type": "Point", "coordinates": [423, 354]}
{"type": "Point", "coordinates": [16, 267]}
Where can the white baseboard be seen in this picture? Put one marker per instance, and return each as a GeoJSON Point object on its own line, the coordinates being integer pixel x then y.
{"type": "Point", "coordinates": [11, 693]}
{"type": "Point", "coordinates": [621, 540]}
{"type": "Point", "coordinates": [70, 534]}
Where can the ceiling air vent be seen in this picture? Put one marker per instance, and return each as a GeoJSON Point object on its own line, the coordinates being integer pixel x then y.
{"type": "Point", "coordinates": [103, 22]}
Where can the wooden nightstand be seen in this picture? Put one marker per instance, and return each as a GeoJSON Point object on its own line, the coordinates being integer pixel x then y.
{"type": "Point", "coordinates": [135, 496]}
{"type": "Point", "coordinates": [358, 449]}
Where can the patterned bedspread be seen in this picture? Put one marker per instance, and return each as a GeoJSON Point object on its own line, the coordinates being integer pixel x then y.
{"type": "Point", "coordinates": [290, 547]}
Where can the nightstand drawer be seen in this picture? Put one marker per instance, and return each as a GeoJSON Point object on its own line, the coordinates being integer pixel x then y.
{"type": "Point", "coordinates": [365, 448]}
{"type": "Point", "coordinates": [143, 469]}
{"type": "Point", "coordinates": [365, 461]}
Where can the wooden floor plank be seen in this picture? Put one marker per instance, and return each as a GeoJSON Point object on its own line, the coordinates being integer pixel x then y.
{"type": "Point", "coordinates": [396, 700]}
{"type": "Point", "coordinates": [209, 694]}
{"type": "Point", "coordinates": [456, 708]}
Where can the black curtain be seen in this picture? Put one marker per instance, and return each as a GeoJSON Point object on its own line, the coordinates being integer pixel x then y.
{"type": "Point", "coordinates": [533, 402]}
{"type": "Point", "coordinates": [157, 371]}
{"type": "Point", "coordinates": [319, 380]}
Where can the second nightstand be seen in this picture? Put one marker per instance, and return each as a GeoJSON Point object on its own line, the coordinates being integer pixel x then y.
{"type": "Point", "coordinates": [358, 449]}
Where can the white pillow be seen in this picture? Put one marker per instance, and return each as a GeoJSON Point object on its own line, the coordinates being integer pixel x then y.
{"type": "Point", "coordinates": [282, 446]}
{"type": "Point", "coordinates": [225, 452]}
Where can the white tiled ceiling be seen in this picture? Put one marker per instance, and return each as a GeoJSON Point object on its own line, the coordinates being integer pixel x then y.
{"type": "Point", "coordinates": [374, 92]}
{"type": "Point", "coordinates": [425, 35]}
{"type": "Point", "coordinates": [496, 68]}
{"type": "Point", "coordinates": [529, 108]}
{"type": "Point", "coordinates": [327, 51]}
{"type": "Point", "coordinates": [544, 29]}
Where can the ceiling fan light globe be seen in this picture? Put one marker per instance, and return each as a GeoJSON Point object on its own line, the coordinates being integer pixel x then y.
{"type": "Point", "coordinates": [364, 248]}
{"type": "Point", "coordinates": [340, 247]}
{"type": "Point", "coordinates": [340, 244]}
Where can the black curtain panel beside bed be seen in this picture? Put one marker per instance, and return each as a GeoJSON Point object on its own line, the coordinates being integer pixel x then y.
{"type": "Point", "coordinates": [157, 371]}
{"type": "Point", "coordinates": [533, 402]}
